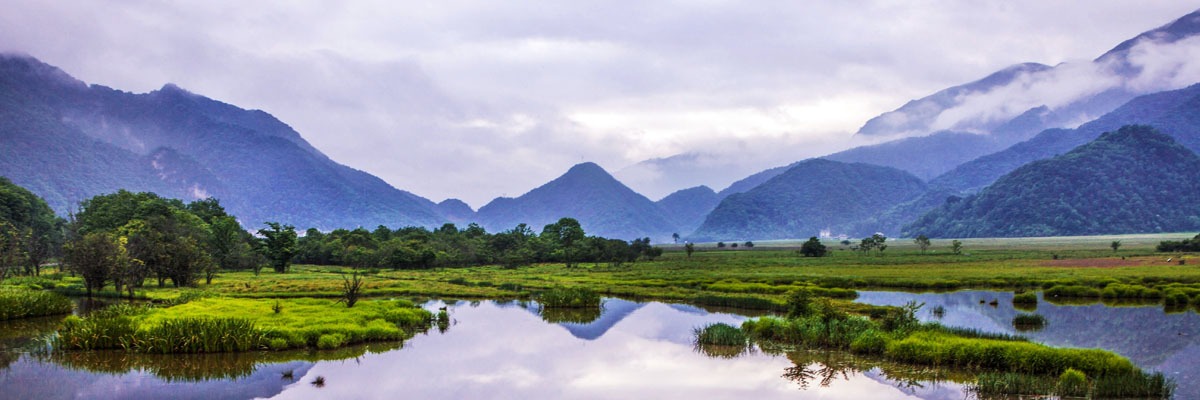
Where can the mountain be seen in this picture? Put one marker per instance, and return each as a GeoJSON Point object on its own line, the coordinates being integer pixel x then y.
{"type": "Point", "coordinates": [687, 208]}
{"type": "Point", "coordinates": [1175, 112]}
{"type": "Point", "coordinates": [68, 141]}
{"type": "Point", "coordinates": [602, 205]}
{"type": "Point", "coordinates": [657, 177]}
{"type": "Point", "coordinates": [811, 196]}
{"type": "Point", "coordinates": [1133, 180]}
{"type": "Point", "coordinates": [1147, 63]}
{"type": "Point", "coordinates": [925, 156]}
{"type": "Point", "coordinates": [917, 117]}
{"type": "Point", "coordinates": [456, 211]}
{"type": "Point", "coordinates": [750, 182]}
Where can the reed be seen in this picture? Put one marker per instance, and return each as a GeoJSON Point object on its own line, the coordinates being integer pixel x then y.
{"type": "Point", "coordinates": [1027, 298]}
{"type": "Point", "coordinates": [1029, 322]}
{"type": "Point", "coordinates": [719, 334]}
{"type": "Point", "coordinates": [744, 302]}
{"type": "Point", "coordinates": [571, 297]}
{"type": "Point", "coordinates": [24, 303]}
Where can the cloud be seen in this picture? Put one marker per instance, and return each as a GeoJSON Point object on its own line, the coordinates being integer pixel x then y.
{"type": "Point", "coordinates": [479, 99]}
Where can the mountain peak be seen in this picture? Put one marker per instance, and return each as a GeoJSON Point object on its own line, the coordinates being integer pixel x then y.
{"type": "Point", "coordinates": [587, 169]}
{"type": "Point", "coordinates": [1184, 27]}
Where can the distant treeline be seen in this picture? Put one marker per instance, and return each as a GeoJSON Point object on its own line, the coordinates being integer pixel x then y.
{"type": "Point", "coordinates": [124, 238]}
{"type": "Point", "coordinates": [1192, 244]}
{"type": "Point", "coordinates": [448, 246]}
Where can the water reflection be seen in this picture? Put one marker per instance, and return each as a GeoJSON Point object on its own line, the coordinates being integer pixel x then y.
{"type": "Point", "coordinates": [506, 351]}
{"type": "Point", "coordinates": [492, 350]}
{"type": "Point", "coordinates": [1149, 336]}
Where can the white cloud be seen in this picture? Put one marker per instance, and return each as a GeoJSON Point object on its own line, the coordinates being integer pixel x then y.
{"type": "Point", "coordinates": [478, 99]}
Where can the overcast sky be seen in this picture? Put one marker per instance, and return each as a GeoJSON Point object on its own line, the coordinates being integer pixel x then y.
{"type": "Point", "coordinates": [482, 99]}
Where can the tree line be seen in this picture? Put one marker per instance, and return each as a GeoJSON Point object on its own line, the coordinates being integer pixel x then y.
{"type": "Point", "coordinates": [125, 239]}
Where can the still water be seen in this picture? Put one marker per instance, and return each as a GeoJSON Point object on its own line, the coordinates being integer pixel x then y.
{"type": "Point", "coordinates": [510, 350]}
{"type": "Point", "coordinates": [1152, 338]}
{"type": "Point", "coordinates": [494, 350]}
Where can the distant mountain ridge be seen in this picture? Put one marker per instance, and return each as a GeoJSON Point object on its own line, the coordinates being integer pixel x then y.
{"type": "Point", "coordinates": [687, 208]}
{"type": "Point", "coordinates": [602, 205]}
{"type": "Point", "coordinates": [68, 141]}
{"type": "Point", "coordinates": [1133, 180]}
{"type": "Point", "coordinates": [811, 196]}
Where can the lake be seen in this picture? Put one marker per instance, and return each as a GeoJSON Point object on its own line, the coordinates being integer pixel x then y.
{"type": "Point", "coordinates": [508, 350]}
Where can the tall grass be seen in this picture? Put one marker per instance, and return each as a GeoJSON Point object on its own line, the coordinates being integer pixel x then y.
{"type": "Point", "coordinates": [720, 334]}
{"type": "Point", "coordinates": [572, 297]}
{"type": "Point", "coordinates": [22, 303]}
{"type": "Point", "coordinates": [231, 325]}
{"type": "Point", "coordinates": [1029, 322]}
{"type": "Point", "coordinates": [1075, 384]}
{"type": "Point", "coordinates": [744, 302]}
{"type": "Point", "coordinates": [941, 350]}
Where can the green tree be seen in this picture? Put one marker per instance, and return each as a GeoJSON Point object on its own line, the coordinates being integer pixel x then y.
{"type": "Point", "coordinates": [564, 235]}
{"type": "Point", "coordinates": [689, 247]}
{"type": "Point", "coordinates": [956, 246]}
{"type": "Point", "coordinates": [31, 226]}
{"type": "Point", "coordinates": [10, 248]}
{"type": "Point", "coordinates": [675, 236]}
{"type": "Point", "coordinates": [1116, 244]}
{"type": "Point", "coordinates": [279, 245]}
{"type": "Point", "coordinates": [813, 248]}
{"type": "Point", "coordinates": [93, 257]}
{"type": "Point", "coordinates": [922, 242]}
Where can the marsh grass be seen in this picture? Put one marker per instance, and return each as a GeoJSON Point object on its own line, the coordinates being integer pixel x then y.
{"type": "Point", "coordinates": [569, 297]}
{"type": "Point", "coordinates": [719, 334]}
{"type": "Point", "coordinates": [25, 303]}
{"type": "Point", "coordinates": [744, 302]}
{"type": "Point", "coordinates": [232, 325]}
{"type": "Point", "coordinates": [1029, 322]}
{"type": "Point", "coordinates": [1025, 299]}
{"type": "Point", "coordinates": [1075, 384]}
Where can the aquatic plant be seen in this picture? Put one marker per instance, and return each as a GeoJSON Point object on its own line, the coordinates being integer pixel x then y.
{"type": "Point", "coordinates": [24, 303]}
{"type": "Point", "coordinates": [720, 334]}
{"type": "Point", "coordinates": [745, 302]}
{"type": "Point", "coordinates": [570, 297]}
{"type": "Point", "coordinates": [1026, 298]}
{"type": "Point", "coordinates": [1029, 322]}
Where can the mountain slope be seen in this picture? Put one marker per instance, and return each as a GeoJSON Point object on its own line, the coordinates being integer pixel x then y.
{"type": "Point", "coordinates": [604, 207]}
{"type": "Point", "coordinates": [687, 208]}
{"type": "Point", "coordinates": [924, 156]}
{"type": "Point", "coordinates": [1175, 112]}
{"type": "Point", "coordinates": [1133, 180]}
{"type": "Point", "coordinates": [1153, 61]}
{"type": "Point", "coordinates": [811, 196]}
{"type": "Point", "coordinates": [182, 145]}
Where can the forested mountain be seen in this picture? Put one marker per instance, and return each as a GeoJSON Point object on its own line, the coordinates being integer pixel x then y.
{"type": "Point", "coordinates": [926, 156]}
{"type": "Point", "coordinates": [1132, 180]}
{"type": "Point", "coordinates": [809, 197]}
{"type": "Point", "coordinates": [602, 205]}
{"type": "Point", "coordinates": [1176, 113]}
{"type": "Point", "coordinates": [456, 211]}
{"type": "Point", "coordinates": [688, 207]}
{"type": "Point", "coordinates": [68, 141]}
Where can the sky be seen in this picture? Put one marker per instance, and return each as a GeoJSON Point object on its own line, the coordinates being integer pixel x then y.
{"type": "Point", "coordinates": [479, 99]}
